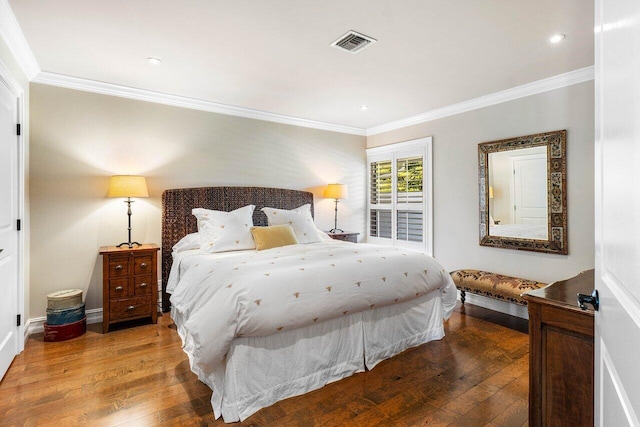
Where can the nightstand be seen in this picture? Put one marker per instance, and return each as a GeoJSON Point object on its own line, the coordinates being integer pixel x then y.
{"type": "Point", "coordinates": [346, 236]}
{"type": "Point", "coordinates": [129, 283]}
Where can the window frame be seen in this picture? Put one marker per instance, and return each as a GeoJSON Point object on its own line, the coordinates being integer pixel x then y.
{"type": "Point", "coordinates": [393, 152]}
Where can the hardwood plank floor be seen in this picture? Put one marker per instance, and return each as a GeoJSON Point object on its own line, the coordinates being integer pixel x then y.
{"type": "Point", "coordinates": [139, 376]}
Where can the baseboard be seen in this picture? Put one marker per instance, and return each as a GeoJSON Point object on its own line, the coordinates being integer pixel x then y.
{"type": "Point", "coordinates": [495, 305]}
{"type": "Point", "coordinates": [36, 325]}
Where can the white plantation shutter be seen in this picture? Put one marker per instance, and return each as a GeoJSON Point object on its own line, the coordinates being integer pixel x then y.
{"type": "Point", "coordinates": [399, 202]}
{"type": "Point", "coordinates": [380, 197]}
{"type": "Point", "coordinates": [409, 199]}
{"type": "Point", "coordinates": [410, 226]}
{"type": "Point", "coordinates": [381, 182]}
{"type": "Point", "coordinates": [409, 180]}
{"type": "Point", "coordinates": [380, 224]}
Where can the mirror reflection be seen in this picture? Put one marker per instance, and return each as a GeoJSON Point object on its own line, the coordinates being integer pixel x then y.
{"type": "Point", "coordinates": [523, 193]}
{"type": "Point", "coordinates": [518, 193]}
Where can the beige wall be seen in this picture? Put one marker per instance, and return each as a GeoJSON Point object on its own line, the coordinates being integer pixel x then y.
{"type": "Point", "coordinates": [455, 154]}
{"type": "Point", "coordinates": [79, 139]}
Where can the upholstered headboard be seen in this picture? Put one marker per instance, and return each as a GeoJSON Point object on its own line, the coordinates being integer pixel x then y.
{"type": "Point", "coordinates": [177, 220]}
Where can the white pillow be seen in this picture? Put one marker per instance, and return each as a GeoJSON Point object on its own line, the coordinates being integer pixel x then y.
{"type": "Point", "coordinates": [299, 219]}
{"type": "Point", "coordinates": [225, 231]}
{"type": "Point", "coordinates": [188, 242]}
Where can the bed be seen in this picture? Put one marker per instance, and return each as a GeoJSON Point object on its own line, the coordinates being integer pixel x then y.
{"type": "Point", "coordinates": [520, 231]}
{"type": "Point", "coordinates": [325, 331]}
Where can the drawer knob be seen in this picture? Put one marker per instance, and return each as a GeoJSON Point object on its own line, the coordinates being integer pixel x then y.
{"type": "Point", "coordinates": [143, 285]}
{"type": "Point", "coordinates": [143, 265]}
{"type": "Point", "coordinates": [131, 307]}
{"type": "Point", "coordinates": [119, 267]}
{"type": "Point", "coordinates": [118, 288]}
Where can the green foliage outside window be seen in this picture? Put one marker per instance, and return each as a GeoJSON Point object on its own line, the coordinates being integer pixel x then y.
{"type": "Point", "coordinates": [409, 178]}
{"type": "Point", "coordinates": [409, 175]}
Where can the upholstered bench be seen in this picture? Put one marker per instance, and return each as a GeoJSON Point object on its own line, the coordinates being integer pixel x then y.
{"type": "Point", "coordinates": [492, 285]}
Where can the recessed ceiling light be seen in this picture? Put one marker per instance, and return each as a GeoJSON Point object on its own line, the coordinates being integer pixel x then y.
{"type": "Point", "coordinates": [364, 107]}
{"type": "Point", "coordinates": [154, 61]}
{"type": "Point", "coordinates": [556, 38]}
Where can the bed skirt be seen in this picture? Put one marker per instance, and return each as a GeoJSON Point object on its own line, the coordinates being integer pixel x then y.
{"type": "Point", "coordinates": [260, 371]}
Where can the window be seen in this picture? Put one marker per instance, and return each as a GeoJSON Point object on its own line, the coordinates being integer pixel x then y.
{"type": "Point", "coordinates": [400, 199]}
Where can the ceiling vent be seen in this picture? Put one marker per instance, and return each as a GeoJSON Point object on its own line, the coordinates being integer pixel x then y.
{"type": "Point", "coordinates": [353, 42]}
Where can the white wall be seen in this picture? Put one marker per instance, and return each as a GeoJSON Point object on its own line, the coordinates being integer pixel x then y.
{"type": "Point", "coordinates": [499, 179]}
{"type": "Point", "coordinates": [455, 152]}
{"type": "Point", "coordinates": [80, 139]}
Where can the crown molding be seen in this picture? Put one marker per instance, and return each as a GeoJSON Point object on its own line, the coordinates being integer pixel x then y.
{"type": "Point", "coordinates": [14, 38]}
{"type": "Point", "coordinates": [86, 85]}
{"type": "Point", "coordinates": [9, 80]}
{"type": "Point", "coordinates": [551, 83]}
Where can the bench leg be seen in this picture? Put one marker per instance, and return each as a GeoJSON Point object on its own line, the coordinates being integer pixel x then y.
{"type": "Point", "coordinates": [462, 294]}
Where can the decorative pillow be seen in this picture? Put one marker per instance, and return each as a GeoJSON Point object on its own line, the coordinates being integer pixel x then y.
{"type": "Point", "coordinates": [273, 236]}
{"type": "Point", "coordinates": [299, 219]}
{"type": "Point", "coordinates": [225, 231]}
{"type": "Point", "coordinates": [188, 242]}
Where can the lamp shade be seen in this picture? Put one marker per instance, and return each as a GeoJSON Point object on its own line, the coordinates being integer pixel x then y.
{"type": "Point", "coordinates": [128, 186]}
{"type": "Point", "coordinates": [491, 191]}
{"type": "Point", "coordinates": [336, 191]}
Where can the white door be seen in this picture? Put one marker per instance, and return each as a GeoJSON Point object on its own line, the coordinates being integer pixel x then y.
{"type": "Point", "coordinates": [8, 227]}
{"type": "Point", "coordinates": [617, 213]}
{"type": "Point", "coordinates": [530, 189]}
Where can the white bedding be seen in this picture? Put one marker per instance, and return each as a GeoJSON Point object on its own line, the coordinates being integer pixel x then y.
{"type": "Point", "coordinates": [520, 231]}
{"type": "Point", "coordinates": [221, 300]}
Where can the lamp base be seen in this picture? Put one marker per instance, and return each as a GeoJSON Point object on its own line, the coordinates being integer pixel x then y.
{"type": "Point", "coordinates": [130, 244]}
{"type": "Point", "coordinates": [336, 230]}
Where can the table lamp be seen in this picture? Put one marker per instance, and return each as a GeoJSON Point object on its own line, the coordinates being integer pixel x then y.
{"type": "Point", "coordinates": [336, 191]}
{"type": "Point", "coordinates": [128, 186]}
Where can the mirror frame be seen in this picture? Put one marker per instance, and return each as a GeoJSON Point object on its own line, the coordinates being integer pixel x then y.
{"type": "Point", "coordinates": [556, 143]}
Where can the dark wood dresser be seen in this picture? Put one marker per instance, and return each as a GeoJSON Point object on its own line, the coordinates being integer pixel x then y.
{"type": "Point", "coordinates": [130, 283]}
{"type": "Point", "coordinates": [561, 354]}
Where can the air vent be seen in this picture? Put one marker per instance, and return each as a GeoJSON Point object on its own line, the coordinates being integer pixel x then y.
{"type": "Point", "coordinates": [353, 42]}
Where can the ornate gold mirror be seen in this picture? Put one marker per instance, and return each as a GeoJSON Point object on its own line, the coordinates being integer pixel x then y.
{"type": "Point", "coordinates": [523, 193]}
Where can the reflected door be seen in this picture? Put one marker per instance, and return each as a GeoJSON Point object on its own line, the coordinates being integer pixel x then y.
{"type": "Point", "coordinates": [530, 190]}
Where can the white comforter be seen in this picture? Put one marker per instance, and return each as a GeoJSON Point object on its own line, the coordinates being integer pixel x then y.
{"type": "Point", "coordinates": [520, 231]}
{"type": "Point", "coordinates": [258, 293]}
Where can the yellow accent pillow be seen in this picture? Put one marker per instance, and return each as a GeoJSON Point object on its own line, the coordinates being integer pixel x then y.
{"type": "Point", "coordinates": [273, 236]}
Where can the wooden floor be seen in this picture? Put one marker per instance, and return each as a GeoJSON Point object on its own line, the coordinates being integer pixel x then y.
{"type": "Point", "coordinates": [477, 375]}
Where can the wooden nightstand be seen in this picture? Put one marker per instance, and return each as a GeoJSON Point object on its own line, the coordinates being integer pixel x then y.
{"type": "Point", "coordinates": [346, 236]}
{"type": "Point", "coordinates": [129, 283]}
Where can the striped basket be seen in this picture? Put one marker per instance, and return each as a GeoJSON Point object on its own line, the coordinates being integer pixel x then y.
{"type": "Point", "coordinates": [62, 316]}
{"type": "Point", "coordinates": [64, 299]}
{"type": "Point", "coordinates": [65, 315]}
{"type": "Point", "coordinates": [65, 332]}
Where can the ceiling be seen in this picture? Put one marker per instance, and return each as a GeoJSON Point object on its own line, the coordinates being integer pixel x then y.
{"type": "Point", "coordinates": [275, 56]}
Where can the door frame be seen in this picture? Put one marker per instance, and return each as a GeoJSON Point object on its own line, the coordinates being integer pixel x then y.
{"type": "Point", "coordinates": [12, 84]}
